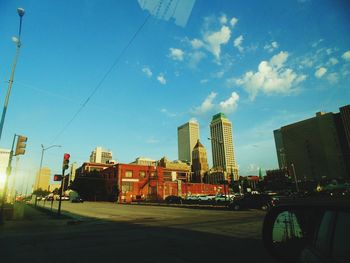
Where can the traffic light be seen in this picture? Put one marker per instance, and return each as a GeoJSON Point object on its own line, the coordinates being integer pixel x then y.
{"type": "Point", "coordinates": [57, 177]}
{"type": "Point", "coordinates": [65, 164]}
{"type": "Point", "coordinates": [21, 145]}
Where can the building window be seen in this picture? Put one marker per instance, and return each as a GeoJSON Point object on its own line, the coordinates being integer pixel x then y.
{"type": "Point", "coordinates": [127, 187]}
{"type": "Point", "coordinates": [128, 173]}
{"type": "Point", "coordinates": [142, 174]}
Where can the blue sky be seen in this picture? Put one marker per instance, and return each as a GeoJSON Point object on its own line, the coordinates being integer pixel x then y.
{"type": "Point", "coordinates": [264, 63]}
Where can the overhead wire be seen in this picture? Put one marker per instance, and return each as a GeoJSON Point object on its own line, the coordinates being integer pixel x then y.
{"type": "Point", "coordinates": [99, 84]}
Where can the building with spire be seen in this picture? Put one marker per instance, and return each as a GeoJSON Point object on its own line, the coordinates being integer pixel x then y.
{"type": "Point", "coordinates": [199, 162]}
{"type": "Point", "coordinates": [222, 146]}
{"type": "Point", "coordinates": [187, 136]}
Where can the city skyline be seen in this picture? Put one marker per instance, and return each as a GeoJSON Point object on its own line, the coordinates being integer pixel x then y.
{"type": "Point", "coordinates": [263, 73]}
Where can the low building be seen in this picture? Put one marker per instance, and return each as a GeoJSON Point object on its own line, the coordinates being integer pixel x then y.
{"type": "Point", "coordinates": [148, 182]}
{"type": "Point", "coordinates": [43, 178]}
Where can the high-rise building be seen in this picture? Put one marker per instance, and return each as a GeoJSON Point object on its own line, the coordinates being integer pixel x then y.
{"type": "Point", "coordinates": [187, 136]}
{"type": "Point", "coordinates": [222, 145]}
{"type": "Point", "coordinates": [100, 155]}
{"type": "Point", "coordinates": [42, 179]}
{"type": "Point", "coordinates": [72, 173]}
{"type": "Point", "coordinates": [316, 148]}
{"type": "Point", "coordinates": [199, 162]}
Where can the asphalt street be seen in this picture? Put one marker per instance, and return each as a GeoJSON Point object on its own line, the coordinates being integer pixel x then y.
{"type": "Point", "coordinates": [110, 232]}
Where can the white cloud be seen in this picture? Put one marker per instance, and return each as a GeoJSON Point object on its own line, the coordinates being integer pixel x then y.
{"type": "Point", "coordinates": [332, 78]}
{"type": "Point", "coordinates": [147, 71]}
{"type": "Point", "coordinates": [320, 72]}
{"type": "Point", "coordinates": [161, 79]}
{"type": "Point", "coordinates": [272, 77]}
{"type": "Point", "coordinates": [176, 54]}
{"type": "Point", "coordinates": [346, 55]}
{"type": "Point", "coordinates": [223, 19]}
{"type": "Point", "coordinates": [219, 74]}
{"type": "Point", "coordinates": [167, 113]}
{"type": "Point", "coordinates": [271, 47]}
{"type": "Point", "coordinates": [204, 81]}
{"type": "Point", "coordinates": [195, 58]}
{"type": "Point", "coordinates": [206, 105]}
{"type": "Point", "coordinates": [152, 141]}
{"type": "Point", "coordinates": [214, 40]}
{"type": "Point", "coordinates": [233, 21]}
{"type": "Point", "coordinates": [333, 61]}
{"type": "Point", "coordinates": [193, 119]}
{"type": "Point", "coordinates": [237, 43]}
{"type": "Point", "coordinates": [279, 59]}
{"type": "Point", "coordinates": [229, 105]}
{"type": "Point", "coordinates": [196, 43]}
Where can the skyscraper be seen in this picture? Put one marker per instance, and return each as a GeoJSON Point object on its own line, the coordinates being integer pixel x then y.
{"type": "Point", "coordinates": [42, 179]}
{"type": "Point", "coordinates": [100, 155]}
{"type": "Point", "coordinates": [222, 145]}
{"type": "Point", "coordinates": [199, 162]}
{"type": "Point", "coordinates": [316, 147]}
{"type": "Point", "coordinates": [187, 136]}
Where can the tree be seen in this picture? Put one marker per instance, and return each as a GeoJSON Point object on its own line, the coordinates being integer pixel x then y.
{"type": "Point", "coordinates": [91, 186]}
{"type": "Point", "coordinates": [41, 192]}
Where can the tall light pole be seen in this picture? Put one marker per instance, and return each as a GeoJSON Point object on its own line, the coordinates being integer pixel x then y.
{"type": "Point", "coordinates": [43, 149]}
{"type": "Point", "coordinates": [295, 177]}
{"type": "Point", "coordinates": [20, 12]}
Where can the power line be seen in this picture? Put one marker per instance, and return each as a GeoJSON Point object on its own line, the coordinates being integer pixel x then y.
{"type": "Point", "coordinates": [116, 61]}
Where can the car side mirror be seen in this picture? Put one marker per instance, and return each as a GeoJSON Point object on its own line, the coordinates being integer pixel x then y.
{"type": "Point", "coordinates": [288, 230]}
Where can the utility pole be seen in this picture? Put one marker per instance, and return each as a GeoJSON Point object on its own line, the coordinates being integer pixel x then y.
{"type": "Point", "coordinates": [295, 178]}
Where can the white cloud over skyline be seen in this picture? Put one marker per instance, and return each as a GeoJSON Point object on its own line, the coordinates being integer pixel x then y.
{"type": "Point", "coordinates": [161, 79]}
{"type": "Point", "coordinates": [147, 71]}
{"type": "Point", "coordinates": [237, 43]}
{"type": "Point", "coordinates": [229, 105]}
{"type": "Point", "coordinates": [320, 72]}
{"type": "Point", "coordinates": [272, 77]}
{"type": "Point", "coordinates": [176, 54]}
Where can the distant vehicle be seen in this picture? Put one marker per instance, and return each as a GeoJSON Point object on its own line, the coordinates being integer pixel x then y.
{"type": "Point", "coordinates": [257, 201]}
{"type": "Point", "coordinates": [192, 199]}
{"type": "Point", "coordinates": [203, 198]}
{"type": "Point", "coordinates": [65, 198]}
{"type": "Point", "coordinates": [77, 200]}
{"type": "Point", "coordinates": [173, 199]}
{"type": "Point", "coordinates": [222, 198]}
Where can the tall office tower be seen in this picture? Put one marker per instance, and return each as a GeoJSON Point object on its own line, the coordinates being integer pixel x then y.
{"type": "Point", "coordinates": [199, 162]}
{"type": "Point", "coordinates": [99, 155]}
{"type": "Point", "coordinates": [222, 145]}
{"type": "Point", "coordinates": [42, 179]}
{"type": "Point", "coordinates": [187, 136]}
{"type": "Point", "coordinates": [316, 148]}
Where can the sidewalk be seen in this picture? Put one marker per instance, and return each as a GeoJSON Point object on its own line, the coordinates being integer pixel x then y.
{"type": "Point", "coordinates": [27, 218]}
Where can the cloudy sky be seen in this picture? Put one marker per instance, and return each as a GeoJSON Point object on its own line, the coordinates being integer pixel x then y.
{"type": "Point", "coordinates": [125, 74]}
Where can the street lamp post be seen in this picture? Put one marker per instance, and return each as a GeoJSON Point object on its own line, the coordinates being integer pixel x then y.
{"type": "Point", "coordinates": [295, 177]}
{"type": "Point", "coordinates": [20, 12]}
{"type": "Point", "coordinates": [43, 149]}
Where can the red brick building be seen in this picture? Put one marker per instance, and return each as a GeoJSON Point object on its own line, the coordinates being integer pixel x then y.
{"type": "Point", "coordinates": [142, 182]}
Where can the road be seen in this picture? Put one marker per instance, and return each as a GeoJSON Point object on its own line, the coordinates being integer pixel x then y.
{"type": "Point", "coordinates": [133, 233]}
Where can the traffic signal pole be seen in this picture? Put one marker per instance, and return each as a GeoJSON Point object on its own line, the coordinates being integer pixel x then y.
{"type": "Point", "coordinates": [60, 201]}
{"type": "Point", "coordinates": [65, 166]}
{"type": "Point", "coordinates": [8, 172]}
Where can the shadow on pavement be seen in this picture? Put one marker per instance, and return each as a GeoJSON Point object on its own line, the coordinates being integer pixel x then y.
{"type": "Point", "coordinates": [93, 240]}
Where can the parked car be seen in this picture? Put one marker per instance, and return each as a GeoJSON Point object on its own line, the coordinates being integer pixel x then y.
{"type": "Point", "coordinates": [309, 231]}
{"type": "Point", "coordinates": [77, 200]}
{"type": "Point", "coordinates": [222, 198]}
{"type": "Point", "coordinates": [173, 199]}
{"type": "Point", "coordinates": [204, 198]}
{"type": "Point", "coordinates": [257, 201]}
{"type": "Point", "coordinates": [192, 199]}
{"type": "Point", "coordinates": [65, 198]}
